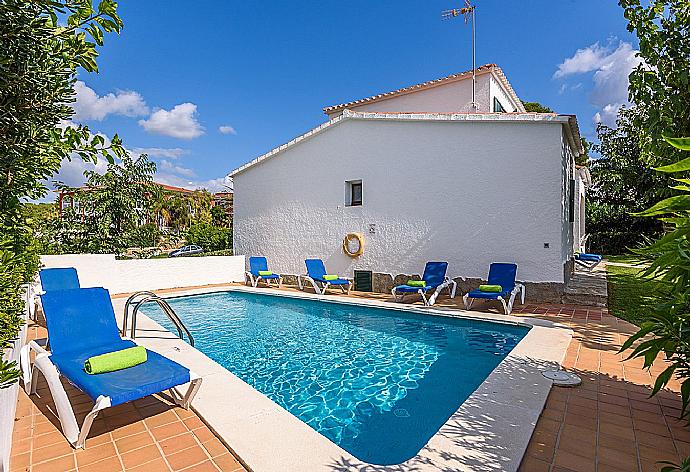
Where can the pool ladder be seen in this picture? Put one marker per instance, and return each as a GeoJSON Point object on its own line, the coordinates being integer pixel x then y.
{"type": "Point", "coordinates": [144, 296]}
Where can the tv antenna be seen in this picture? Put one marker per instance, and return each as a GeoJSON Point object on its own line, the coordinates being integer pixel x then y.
{"type": "Point", "coordinates": [468, 12]}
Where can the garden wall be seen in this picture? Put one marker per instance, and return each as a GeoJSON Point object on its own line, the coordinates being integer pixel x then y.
{"type": "Point", "coordinates": [8, 400]}
{"type": "Point", "coordinates": [124, 276]}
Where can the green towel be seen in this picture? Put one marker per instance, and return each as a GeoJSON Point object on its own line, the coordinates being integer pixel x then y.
{"type": "Point", "coordinates": [117, 360]}
{"type": "Point", "coordinates": [416, 283]}
{"type": "Point", "coordinates": [265, 272]}
{"type": "Point", "coordinates": [491, 288]}
{"type": "Point", "coordinates": [330, 277]}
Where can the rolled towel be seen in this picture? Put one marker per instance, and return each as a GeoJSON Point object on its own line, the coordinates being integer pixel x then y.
{"type": "Point", "coordinates": [330, 277]}
{"type": "Point", "coordinates": [265, 272]}
{"type": "Point", "coordinates": [491, 288]}
{"type": "Point", "coordinates": [416, 283]}
{"type": "Point", "coordinates": [116, 360]}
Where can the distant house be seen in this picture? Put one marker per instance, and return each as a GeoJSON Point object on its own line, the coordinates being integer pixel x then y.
{"type": "Point", "coordinates": [69, 199]}
{"type": "Point", "coordinates": [422, 175]}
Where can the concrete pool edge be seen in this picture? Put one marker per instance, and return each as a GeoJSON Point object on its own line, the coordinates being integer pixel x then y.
{"type": "Point", "coordinates": [490, 430]}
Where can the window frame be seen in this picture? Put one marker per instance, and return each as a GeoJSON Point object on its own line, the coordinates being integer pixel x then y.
{"type": "Point", "coordinates": [350, 186]}
{"type": "Point", "coordinates": [500, 108]}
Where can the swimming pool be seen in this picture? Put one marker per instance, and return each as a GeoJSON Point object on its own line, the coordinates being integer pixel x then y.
{"type": "Point", "coordinates": [377, 382]}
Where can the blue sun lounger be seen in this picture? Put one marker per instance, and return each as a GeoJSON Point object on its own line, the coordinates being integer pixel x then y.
{"type": "Point", "coordinates": [503, 274]}
{"type": "Point", "coordinates": [59, 278]}
{"type": "Point", "coordinates": [81, 324]}
{"type": "Point", "coordinates": [588, 261]}
{"type": "Point", "coordinates": [259, 264]}
{"type": "Point", "coordinates": [315, 273]}
{"type": "Point", "coordinates": [436, 281]}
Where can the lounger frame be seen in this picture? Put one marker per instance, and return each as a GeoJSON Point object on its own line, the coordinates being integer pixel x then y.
{"type": "Point", "coordinates": [447, 283]}
{"type": "Point", "coordinates": [255, 279]}
{"type": "Point", "coordinates": [68, 421]}
{"type": "Point", "coordinates": [507, 304]}
{"type": "Point", "coordinates": [301, 279]}
{"type": "Point", "coordinates": [588, 265]}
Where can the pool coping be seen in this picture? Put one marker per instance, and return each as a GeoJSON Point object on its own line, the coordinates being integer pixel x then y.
{"type": "Point", "coordinates": [490, 431]}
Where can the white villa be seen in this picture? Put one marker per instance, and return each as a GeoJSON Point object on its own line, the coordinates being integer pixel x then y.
{"type": "Point", "coordinates": [422, 175]}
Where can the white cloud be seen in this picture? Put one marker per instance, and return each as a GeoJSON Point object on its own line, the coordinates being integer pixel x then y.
{"type": "Point", "coordinates": [227, 129]}
{"type": "Point", "coordinates": [213, 185]}
{"type": "Point", "coordinates": [168, 153]}
{"type": "Point", "coordinates": [180, 122]}
{"type": "Point", "coordinates": [90, 106]}
{"type": "Point", "coordinates": [611, 64]}
{"type": "Point", "coordinates": [170, 167]}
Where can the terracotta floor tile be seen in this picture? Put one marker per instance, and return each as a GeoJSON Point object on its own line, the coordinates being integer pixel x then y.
{"type": "Point", "coordinates": [111, 464]}
{"type": "Point", "coordinates": [215, 447]}
{"type": "Point", "coordinates": [531, 464]}
{"type": "Point", "coordinates": [20, 461]}
{"type": "Point", "coordinates": [178, 443]}
{"type": "Point", "coordinates": [136, 441]}
{"type": "Point", "coordinates": [141, 456]}
{"type": "Point", "coordinates": [207, 466]}
{"type": "Point", "coordinates": [617, 458]}
{"type": "Point", "coordinates": [161, 419]}
{"type": "Point", "coordinates": [169, 430]}
{"type": "Point", "coordinates": [158, 465]}
{"type": "Point", "coordinates": [64, 463]}
{"type": "Point", "coordinates": [53, 451]}
{"type": "Point", "coordinates": [95, 453]}
{"type": "Point", "coordinates": [227, 463]}
{"type": "Point", "coordinates": [187, 458]}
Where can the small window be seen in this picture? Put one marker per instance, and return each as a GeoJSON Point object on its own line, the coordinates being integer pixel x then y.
{"type": "Point", "coordinates": [354, 193]}
{"type": "Point", "coordinates": [498, 108]}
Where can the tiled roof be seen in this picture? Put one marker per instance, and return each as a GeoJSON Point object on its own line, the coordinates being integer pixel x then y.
{"type": "Point", "coordinates": [487, 68]}
{"type": "Point", "coordinates": [569, 120]}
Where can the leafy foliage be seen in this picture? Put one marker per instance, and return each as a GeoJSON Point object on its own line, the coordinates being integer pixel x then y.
{"type": "Point", "coordinates": [660, 86]}
{"type": "Point", "coordinates": [110, 209]}
{"type": "Point", "coordinates": [623, 184]}
{"type": "Point", "coordinates": [668, 322]}
{"type": "Point", "coordinates": [42, 45]}
{"type": "Point", "coordinates": [536, 107]}
{"type": "Point", "coordinates": [210, 238]}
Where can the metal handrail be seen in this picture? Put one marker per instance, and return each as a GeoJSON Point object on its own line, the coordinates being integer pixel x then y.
{"type": "Point", "coordinates": [129, 302]}
{"type": "Point", "coordinates": [165, 306]}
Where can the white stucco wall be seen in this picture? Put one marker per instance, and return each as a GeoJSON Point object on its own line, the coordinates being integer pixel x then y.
{"type": "Point", "coordinates": [123, 276]}
{"type": "Point", "coordinates": [500, 93]}
{"type": "Point", "coordinates": [470, 193]}
{"type": "Point", "coordinates": [450, 97]}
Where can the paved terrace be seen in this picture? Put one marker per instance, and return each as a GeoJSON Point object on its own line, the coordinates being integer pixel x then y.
{"type": "Point", "coordinates": [608, 424]}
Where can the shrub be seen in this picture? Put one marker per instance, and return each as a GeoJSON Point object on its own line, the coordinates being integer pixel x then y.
{"type": "Point", "coordinates": [210, 238]}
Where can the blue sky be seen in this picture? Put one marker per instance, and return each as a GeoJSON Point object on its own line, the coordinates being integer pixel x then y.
{"type": "Point", "coordinates": [263, 71]}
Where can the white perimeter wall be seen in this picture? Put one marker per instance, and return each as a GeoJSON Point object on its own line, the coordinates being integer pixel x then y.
{"type": "Point", "coordinates": [469, 193]}
{"type": "Point", "coordinates": [122, 276]}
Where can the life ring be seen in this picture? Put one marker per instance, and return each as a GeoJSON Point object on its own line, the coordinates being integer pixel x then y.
{"type": "Point", "coordinates": [353, 244]}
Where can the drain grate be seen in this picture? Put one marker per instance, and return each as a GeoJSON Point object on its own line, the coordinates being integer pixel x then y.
{"type": "Point", "coordinates": [562, 378]}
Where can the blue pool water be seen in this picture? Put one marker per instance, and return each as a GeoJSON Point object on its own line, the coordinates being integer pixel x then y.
{"type": "Point", "coordinates": [377, 382]}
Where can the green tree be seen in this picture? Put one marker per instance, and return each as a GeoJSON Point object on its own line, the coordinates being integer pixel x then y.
{"type": "Point", "coordinates": [42, 45]}
{"type": "Point", "coordinates": [210, 238]}
{"type": "Point", "coordinates": [660, 85]}
{"type": "Point", "coordinates": [112, 206]}
{"type": "Point", "coordinates": [536, 107]}
{"type": "Point", "coordinates": [623, 183]}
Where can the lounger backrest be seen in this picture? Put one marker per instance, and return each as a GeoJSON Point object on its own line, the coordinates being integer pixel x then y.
{"type": "Point", "coordinates": [257, 263]}
{"type": "Point", "coordinates": [79, 319]}
{"type": "Point", "coordinates": [315, 268]}
{"type": "Point", "coordinates": [435, 273]}
{"type": "Point", "coordinates": [503, 274]}
{"type": "Point", "coordinates": [59, 278]}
